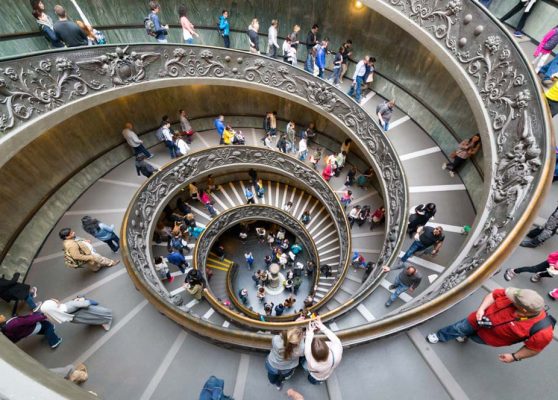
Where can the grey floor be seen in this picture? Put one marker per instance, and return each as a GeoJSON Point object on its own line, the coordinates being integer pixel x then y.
{"type": "Point", "coordinates": [147, 356]}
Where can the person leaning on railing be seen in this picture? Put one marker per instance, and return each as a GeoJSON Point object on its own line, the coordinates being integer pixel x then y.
{"type": "Point", "coordinates": [505, 317]}
{"type": "Point", "coordinates": [466, 149]}
{"type": "Point", "coordinates": [322, 357]}
{"type": "Point", "coordinates": [46, 25]}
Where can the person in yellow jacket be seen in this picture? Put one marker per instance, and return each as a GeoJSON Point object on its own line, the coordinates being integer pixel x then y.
{"type": "Point", "coordinates": [552, 96]}
{"type": "Point", "coordinates": [228, 135]}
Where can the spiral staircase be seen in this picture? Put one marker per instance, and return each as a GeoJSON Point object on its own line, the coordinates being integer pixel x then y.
{"type": "Point", "coordinates": [148, 355]}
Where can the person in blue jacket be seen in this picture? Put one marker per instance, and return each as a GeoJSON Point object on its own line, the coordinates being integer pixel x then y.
{"type": "Point", "coordinates": [105, 233]}
{"type": "Point", "coordinates": [161, 31]}
{"type": "Point", "coordinates": [224, 28]}
{"type": "Point", "coordinates": [321, 51]}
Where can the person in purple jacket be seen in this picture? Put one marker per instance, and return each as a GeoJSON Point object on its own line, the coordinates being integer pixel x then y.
{"type": "Point", "coordinates": [19, 327]}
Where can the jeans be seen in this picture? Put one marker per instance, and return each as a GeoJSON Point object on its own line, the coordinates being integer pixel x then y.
{"type": "Point", "coordinates": [303, 154]}
{"type": "Point", "coordinates": [30, 302]}
{"type": "Point", "coordinates": [272, 51]}
{"type": "Point", "coordinates": [309, 64]}
{"type": "Point", "coordinates": [517, 8]}
{"type": "Point", "coordinates": [113, 242]}
{"type": "Point", "coordinates": [141, 149]}
{"type": "Point", "coordinates": [321, 73]}
{"type": "Point", "coordinates": [457, 329]}
{"type": "Point", "coordinates": [415, 246]}
{"type": "Point", "coordinates": [227, 41]}
{"type": "Point", "coordinates": [277, 376]}
{"type": "Point", "coordinates": [336, 75]}
{"type": "Point", "coordinates": [485, 3]}
{"type": "Point", "coordinates": [47, 329]}
{"type": "Point", "coordinates": [400, 288]}
{"type": "Point", "coordinates": [162, 40]}
{"type": "Point", "coordinates": [455, 164]}
{"type": "Point", "coordinates": [172, 148]}
{"type": "Point", "coordinates": [189, 41]}
{"type": "Point", "coordinates": [385, 126]}
{"type": "Point", "coordinates": [356, 88]}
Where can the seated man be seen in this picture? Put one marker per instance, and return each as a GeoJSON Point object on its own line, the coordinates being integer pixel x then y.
{"type": "Point", "coordinates": [427, 239]}
{"type": "Point", "coordinates": [505, 317]}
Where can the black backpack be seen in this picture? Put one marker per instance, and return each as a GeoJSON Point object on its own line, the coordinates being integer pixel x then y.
{"type": "Point", "coordinates": [547, 321]}
{"type": "Point", "coordinates": [149, 26]}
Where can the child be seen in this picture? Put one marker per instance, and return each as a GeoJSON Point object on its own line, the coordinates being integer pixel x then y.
{"type": "Point", "coordinates": [162, 269]}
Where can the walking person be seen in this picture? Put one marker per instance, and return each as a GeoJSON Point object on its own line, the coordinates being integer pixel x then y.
{"type": "Point", "coordinates": [143, 167]}
{"type": "Point", "coordinates": [20, 327]}
{"type": "Point", "coordinates": [158, 30]}
{"type": "Point", "coordinates": [406, 281]}
{"type": "Point", "coordinates": [253, 36]}
{"type": "Point", "coordinates": [302, 149]}
{"type": "Point", "coordinates": [545, 269]}
{"type": "Point", "coordinates": [539, 235]}
{"type": "Point", "coordinates": [224, 28]}
{"type": "Point", "coordinates": [346, 52]}
{"type": "Point", "coordinates": [423, 213]}
{"type": "Point", "coordinates": [505, 317]}
{"type": "Point", "coordinates": [427, 239]}
{"type": "Point", "coordinates": [103, 232]}
{"type": "Point", "coordinates": [337, 66]}
{"type": "Point", "coordinates": [322, 357]}
{"type": "Point", "coordinates": [134, 141]}
{"type": "Point", "coordinates": [78, 311]}
{"type": "Point", "coordinates": [311, 41]}
{"type": "Point", "coordinates": [249, 259]}
{"type": "Point", "coordinates": [68, 31]}
{"type": "Point", "coordinates": [11, 289]}
{"type": "Point", "coordinates": [466, 149]}
{"type": "Point", "coordinates": [188, 31]}
{"type": "Point", "coordinates": [522, 5]}
{"type": "Point", "coordinates": [358, 79]}
{"type": "Point", "coordinates": [79, 252]}
{"type": "Point", "coordinates": [384, 112]}
{"type": "Point", "coordinates": [249, 193]}
{"type": "Point", "coordinates": [46, 25]}
{"type": "Point", "coordinates": [283, 358]}
{"type": "Point", "coordinates": [272, 44]}
{"type": "Point", "coordinates": [321, 51]}
{"type": "Point", "coordinates": [544, 49]}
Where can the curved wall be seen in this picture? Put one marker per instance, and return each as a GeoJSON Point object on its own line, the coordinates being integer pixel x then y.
{"type": "Point", "coordinates": [35, 173]}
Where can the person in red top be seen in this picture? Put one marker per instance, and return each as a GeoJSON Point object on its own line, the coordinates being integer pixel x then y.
{"type": "Point", "coordinates": [505, 317]}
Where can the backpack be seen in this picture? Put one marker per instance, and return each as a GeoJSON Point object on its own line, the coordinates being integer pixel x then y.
{"type": "Point", "coordinates": [159, 134]}
{"type": "Point", "coordinates": [547, 321]}
{"type": "Point", "coordinates": [213, 390]}
{"type": "Point", "coordinates": [149, 26]}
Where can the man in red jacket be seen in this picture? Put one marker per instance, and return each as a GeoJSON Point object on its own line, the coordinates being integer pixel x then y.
{"type": "Point", "coordinates": [19, 327]}
{"type": "Point", "coordinates": [505, 317]}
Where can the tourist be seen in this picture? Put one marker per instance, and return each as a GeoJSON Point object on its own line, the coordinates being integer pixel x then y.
{"type": "Point", "coordinates": [315, 157]}
{"type": "Point", "coordinates": [384, 112]}
{"type": "Point", "coordinates": [353, 215]}
{"type": "Point", "coordinates": [369, 76]}
{"type": "Point", "coordinates": [224, 28]}
{"type": "Point", "coordinates": [177, 242]}
{"type": "Point", "coordinates": [253, 37]}
{"type": "Point", "coordinates": [249, 194]}
{"type": "Point", "coordinates": [288, 206]}
{"type": "Point", "coordinates": [45, 24]}
{"type": "Point", "coordinates": [194, 288]}
{"type": "Point", "coordinates": [427, 239]}
{"type": "Point", "coordinates": [423, 213]}
{"type": "Point", "coordinates": [188, 31]}
{"type": "Point", "coordinates": [545, 48]}
{"type": "Point", "coordinates": [219, 124]}
{"type": "Point", "coordinates": [175, 257]}
{"type": "Point", "coordinates": [272, 44]}
{"type": "Point", "coordinates": [346, 53]}
{"type": "Point", "coordinates": [260, 232]}
{"type": "Point", "coordinates": [74, 373]}
{"type": "Point", "coordinates": [322, 357]}
{"type": "Point", "coordinates": [270, 240]}
{"type": "Point", "coordinates": [306, 218]}
{"type": "Point", "coordinates": [260, 294]}
{"type": "Point", "coordinates": [159, 31]}
{"type": "Point", "coordinates": [134, 141]}
{"type": "Point", "coordinates": [328, 172]}
{"type": "Point", "coordinates": [294, 41]}
{"type": "Point", "coordinates": [78, 311]}
{"type": "Point", "coordinates": [310, 267]}
{"type": "Point", "coordinates": [545, 269]}
{"type": "Point", "coordinates": [268, 309]}
{"type": "Point", "coordinates": [539, 235]}
{"type": "Point", "coordinates": [166, 135]}
{"type": "Point", "coordinates": [253, 174]}
{"type": "Point", "coordinates": [289, 301]}
{"type": "Point", "coordinates": [256, 277]}
{"type": "Point", "coordinates": [185, 126]}
{"type": "Point", "coordinates": [268, 141]}
{"type": "Point", "coordinates": [378, 217]}
{"type": "Point", "coordinates": [406, 281]}
{"type": "Point", "coordinates": [11, 289]}
{"type": "Point", "coordinates": [302, 149]}
{"type": "Point", "coordinates": [321, 50]}
{"type": "Point", "coordinates": [181, 145]}
{"type": "Point", "coordinates": [282, 144]}
{"type": "Point", "coordinates": [291, 134]}
{"type": "Point", "coordinates": [249, 259]}
{"type": "Point", "coordinates": [103, 232]}
{"type": "Point", "coordinates": [363, 215]}
{"type": "Point", "coordinates": [273, 123]}
{"type": "Point", "coordinates": [340, 162]}
{"type": "Point", "coordinates": [143, 167]}
{"type": "Point", "coordinates": [79, 252]}
{"type": "Point", "coordinates": [68, 31]}
{"type": "Point", "coordinates": [289, 52]}
{"type": "Point", "coordinates": [20, 327]}
{"type": "Point", "coordinates": [162, 269]}
{"type": "Point", "coordinates": [286, 350]}
{"type": "Point", "coordinates": [89, 32]}
{"type": "Point", "coordinates": [243, 296]}
{"type": "Point", "coordinates": [364, 179]}
{"type": "Point", "coordinates": [505, 317]}
{"type": "Point", "coordinates": [346, 146]}
{"type": "Point", "coordinates": [279, 309]}
{"type": "Point", "coordinates": [466, 149]}
{"type": "Point", "coordinates": [311, 41]}
{"type": "Point", "coordinates": [337, 65]}
{"type": "Point", "coordinates": [526, 6]}
{"type": "Point", "coordinates": [346, 198]}
{"type": "Point", "coordinates": [228, 135]}
{"type": "Point", "coordinates": [358, 79]}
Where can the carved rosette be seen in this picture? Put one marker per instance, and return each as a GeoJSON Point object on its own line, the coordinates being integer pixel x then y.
{"type": "Point", "coordinates": [492, 61]}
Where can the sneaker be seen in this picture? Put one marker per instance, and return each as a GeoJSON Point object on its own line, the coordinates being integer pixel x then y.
{"type": "Point", "coordinates": [391, 287]}
{"type": "Point", "coordinates": [38, 306]}
{"type": "Point", "coordinates": [55, 345]}
{"type": "Point", "coordinates": [279, 386]}
{"type": "Point", "coordinates": [432, 338]}
{"type": "Point", "coordinates": [445, 165]}
{"type": "Point", "coordinates": [518, 34]}
{"type": "Point", "coordinates": [150, 157]}
{"type": "Point", "coordinates": [452, 174]}
{"type": "Point", "coordinates": [535, 278]}
{"type": "Point", "coordinates": [528, 243]}
{"type": "Point", "coordinates": [551, 296]}
{"type": "Point", "coordinates": [106, 327]}
{"type": "Point", "coordinates": [509, 274]}
{"type": "Point", "coordinates": [388, 303]}
{"type": "Point", "coordinates": [33, 291]}
{"type": "Point", "coordinates": [461, 339]}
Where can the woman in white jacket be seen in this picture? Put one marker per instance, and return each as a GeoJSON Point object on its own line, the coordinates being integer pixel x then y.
{"type": "Point", "coordinates": [322, 357]}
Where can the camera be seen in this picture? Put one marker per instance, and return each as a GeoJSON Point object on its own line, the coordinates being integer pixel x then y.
{"type": "Point", "coordinates": [485, 322]}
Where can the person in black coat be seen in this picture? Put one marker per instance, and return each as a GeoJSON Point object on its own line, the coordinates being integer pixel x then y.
{"type": "Point", "coordinates": [11, 289]}
{"type": "Point", "coordinates": [143, 167]}
{"type": "Point", "coordinates": [423, 214]}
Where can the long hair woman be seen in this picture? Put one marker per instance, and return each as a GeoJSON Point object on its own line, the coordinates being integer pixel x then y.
{"type": "Point", "coordinates": [286, 349]}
